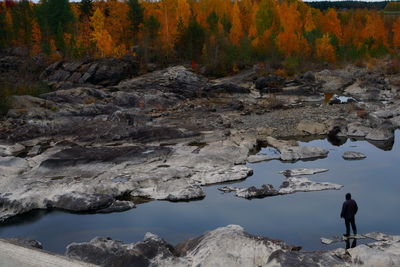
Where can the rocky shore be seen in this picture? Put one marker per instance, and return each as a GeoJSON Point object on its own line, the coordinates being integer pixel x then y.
{"type": "Point", "coordinates": [232, 246]}
{"type": "Point", "coordinates": [97, 144]}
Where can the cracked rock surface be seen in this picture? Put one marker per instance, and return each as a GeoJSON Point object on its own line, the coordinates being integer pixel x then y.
{"type": "Point", "coordinates": [231, 246]}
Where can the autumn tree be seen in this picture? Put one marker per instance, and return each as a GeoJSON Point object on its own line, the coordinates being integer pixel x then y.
{"type": "Point", "coordinates": [374, 32]}
{"type": "Point", "coordinates": [117, 25]}
{"type": "Point", "coordinates": [324, 49]}
{"type": "Point", "coordinates": [396, 33]}
{"type": "Point", "coordinates": [183, 12]}
{"type": "Point", "coordinates": [290, 40]}
{"type": "Point", "coordinates": [100, 35]}
{"type": "Point", "coordinates": [236, 31]}
{"type": "Point", "coordinates": [266, 16]}
{"type": "Point", "coordinates": [309, 24]}
{"type": "Point", "coordinates": [36, 38]}
{"type": "Point", "coordinates": [330, 23]}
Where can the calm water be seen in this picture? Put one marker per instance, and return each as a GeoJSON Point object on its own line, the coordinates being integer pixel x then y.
{"type": "Point", "coordinates": [299, 219]}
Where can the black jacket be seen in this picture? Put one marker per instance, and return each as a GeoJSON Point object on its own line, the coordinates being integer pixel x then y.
{"type": "Point", "coordinates": [349, 209]}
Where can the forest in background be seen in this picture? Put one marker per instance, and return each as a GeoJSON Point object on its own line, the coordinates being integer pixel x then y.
{"type": "Point", "coordinates": [222, 35]}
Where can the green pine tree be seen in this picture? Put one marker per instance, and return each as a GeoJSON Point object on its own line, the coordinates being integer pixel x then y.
{"type": "Point", "coordinates": [55, 18]}
{"type": "Point", "coordinates": [136, 16]}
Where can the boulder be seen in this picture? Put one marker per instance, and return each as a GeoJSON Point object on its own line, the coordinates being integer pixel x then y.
{"type": "Point", "coordinates": [75, 201]}
{"type": "Point", "coordinates": [270, 81]}
{"type": "Point", "coordinates": [11, 150]}
{"type": "Point", "coordinates": [380, 134]}
{"type": "Point", "coordinates": [395, 121]}
{"type": "Point", "coordinates": [333, 81]}
{"type": "Point", "coordinates": [357, 129]}
{"type": "Point", "coordinates": [108, 252]}
{"type": "Point", "coordinates": [177, 80]}
{"type": "Point", "coordinates": [308, 76]}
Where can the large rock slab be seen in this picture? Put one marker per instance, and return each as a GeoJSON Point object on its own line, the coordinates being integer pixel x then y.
{"type": "Point", "coordinates": [293, 185]}
{"type": "Point", "coordinates": [333, 81]}
{"type": "Point", "coordinates": [12, 166]}
{"type": "Point", "coordinates": [13, 254]}
{"type": "Point", "coordinates": [105, 71]}
{"type": "Point", "coordinates": [312, 128]}
{"type": "Point", "coordinates": [93, 178]}
{"type": "Point", "coordinates": [265, 190]}
{"type": "Point", "coordinates": [259, 158]}
{"type": "Point", "coordinates": [178, 80]}
{"type": "Point", "coordinates": [279, 144]}
{"type": "Point", "coordinates": [302, 171]}
{"type": "Point", "coordinates": [293, 153]}
{"type": "Point", "coordinates": [352, 155]}
{"type": "Point", "coordinates": [229, 246]}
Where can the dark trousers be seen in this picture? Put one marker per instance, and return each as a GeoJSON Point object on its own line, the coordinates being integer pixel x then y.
{"type": "Point", "coordinates": [353, 226]}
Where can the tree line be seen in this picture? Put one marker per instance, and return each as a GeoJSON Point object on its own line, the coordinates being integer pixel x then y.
{"type": "Point", "coordinates": [222, 35]}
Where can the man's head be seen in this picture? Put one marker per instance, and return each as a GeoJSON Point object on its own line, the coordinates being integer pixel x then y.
{"type": "Point", "coordinates": [348, 196]}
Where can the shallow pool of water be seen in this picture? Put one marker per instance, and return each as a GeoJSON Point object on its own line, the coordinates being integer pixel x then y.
{"type": "Point", "coordinates": [298, 219]}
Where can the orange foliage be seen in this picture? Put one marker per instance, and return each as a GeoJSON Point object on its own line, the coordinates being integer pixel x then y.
{"type": "Point", "coordinates": [309, 24]}
{"type": "Point", "coordinates": [375, 29]}
{"type": "Point", "coordinates": [268, 25]}
{"type": "Point", "coordinates": [396, 33]}
{"type": "Point", "coordinates": [236, 32]}
{"type": "Point", "coordinates": [183, 11]}
{"type": "Point", "coordinates": [36, 38]}
{"type": "Point", "coordinates": [330, 23]}
{"type": "Point", "coordinates": [324, 49]}
{"type": "Point", "coordinates": [290, 41]}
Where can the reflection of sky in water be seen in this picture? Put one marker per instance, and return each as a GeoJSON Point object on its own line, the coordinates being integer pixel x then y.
{"type": "Point", "coordinates": [299, 219]}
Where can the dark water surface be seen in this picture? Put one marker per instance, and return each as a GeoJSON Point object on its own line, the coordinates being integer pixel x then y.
{"type": "Point", "coordinates": [298, 219]}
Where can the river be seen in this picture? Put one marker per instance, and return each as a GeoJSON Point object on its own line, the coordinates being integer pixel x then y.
{"type": "Point", "coordinates": [298, 219]}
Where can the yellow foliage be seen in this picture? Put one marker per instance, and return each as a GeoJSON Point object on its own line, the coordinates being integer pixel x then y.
{"type": "Point", "coordinates": [100, 35]}
{"type": "Point", "coordinates": [324, 49]}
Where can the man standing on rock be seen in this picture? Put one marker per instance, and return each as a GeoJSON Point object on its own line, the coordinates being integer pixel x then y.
{"type": "Point", "coordinates": [349, 210]}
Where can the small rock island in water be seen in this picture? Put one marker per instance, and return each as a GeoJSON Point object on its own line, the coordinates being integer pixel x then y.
{"type": "Point", "coordinates": [108, 105]}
